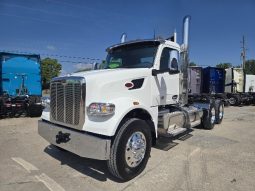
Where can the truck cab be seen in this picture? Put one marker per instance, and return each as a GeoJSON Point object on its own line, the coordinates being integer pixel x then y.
{"type": "Point", "coordinates": [126, 79]}
{"type": "Point", "coordinates": [157, 57]}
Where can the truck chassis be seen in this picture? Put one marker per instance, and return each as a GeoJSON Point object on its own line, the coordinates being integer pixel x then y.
{"type": "Point", "coordinates": [20, 105]}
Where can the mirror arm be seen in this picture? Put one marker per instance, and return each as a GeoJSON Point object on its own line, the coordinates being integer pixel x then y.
{"type": "Point", "coordinates": [155, 72]}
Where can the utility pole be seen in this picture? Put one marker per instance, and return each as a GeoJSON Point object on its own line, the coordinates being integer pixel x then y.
{"type": "Point", "coordinates": [243, 53]}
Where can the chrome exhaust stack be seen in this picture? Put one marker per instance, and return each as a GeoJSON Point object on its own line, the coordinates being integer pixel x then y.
{"type": "Point", "coordinates": [123, 38]}
{"type": "Point", "coordinates": [186, 23]}
{"type": "Point", "coordinates": [185, 61]}
{"type": "Point", "coordinates": [175, 36]}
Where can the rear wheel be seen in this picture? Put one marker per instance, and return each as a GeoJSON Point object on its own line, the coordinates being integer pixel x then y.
{"type": "Point", "coordinates": [234, 100]}
{"type": "Point", "coordinates": [219, 107]}
{"type": "Point", "coordinates": [209, 116]}
{"type": "Point", "coordinates": [130, 150]}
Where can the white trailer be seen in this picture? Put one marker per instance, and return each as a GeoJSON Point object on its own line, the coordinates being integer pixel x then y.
{"type": "Point", "coordinates": [117, 114]}
{"type": "Point", "coordinates": [250, 83]}
{"type": "Point", "coordinates": [235, 87]}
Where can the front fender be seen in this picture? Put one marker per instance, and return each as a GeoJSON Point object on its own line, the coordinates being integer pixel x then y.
{"type": "Point", "coordinates": [107, 125]}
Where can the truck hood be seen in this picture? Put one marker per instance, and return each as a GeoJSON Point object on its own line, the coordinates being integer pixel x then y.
{"type": "Point", "coordinates": [117, 74]}
{"type": "Point", "coordinates": [107, 85]}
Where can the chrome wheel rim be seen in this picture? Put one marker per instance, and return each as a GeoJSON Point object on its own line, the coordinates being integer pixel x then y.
{"type": "Point", "coordinates": [135, 149]}
{"type": "Point", "coordinates": [232, 101]}
{"type": "Point", "coordinates": [221, 111]}
{"type": "Point", "coordinates": [213, 116]}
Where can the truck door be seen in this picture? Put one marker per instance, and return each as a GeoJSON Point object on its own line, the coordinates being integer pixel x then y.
{"type": "Point", "coordinates": [168, 84]}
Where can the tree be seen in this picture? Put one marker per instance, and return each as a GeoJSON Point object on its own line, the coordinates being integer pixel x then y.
{"type": "Point", "coordinates": [224, 65]}
{"type": "Point", "coordinates": [50, 69]}
{"type": "Point", "coordinates": [192, 64]}
{"type": "Point", "coordinates": [250, 67]}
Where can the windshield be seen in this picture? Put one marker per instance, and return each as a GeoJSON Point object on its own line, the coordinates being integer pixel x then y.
{"type": "Point", "coordinates": [132, 56]}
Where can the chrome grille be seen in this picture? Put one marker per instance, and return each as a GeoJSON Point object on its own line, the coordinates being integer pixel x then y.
{"type": "Point", "coordinates": [67, 101]}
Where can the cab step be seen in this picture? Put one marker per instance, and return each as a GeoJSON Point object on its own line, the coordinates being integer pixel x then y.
{"type": "Point", "coordinates": [172, 133]}
{"type": "Point", "coordinates": [177, 131]}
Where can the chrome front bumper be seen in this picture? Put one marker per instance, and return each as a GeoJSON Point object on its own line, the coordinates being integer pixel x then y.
{"type": "Point", "coordinates": [80, 143]}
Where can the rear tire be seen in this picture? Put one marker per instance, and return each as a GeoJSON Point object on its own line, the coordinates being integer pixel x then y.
{"type": "Point", "coordinates": [234, 100]}
{"type": "Point", "coordinates": [208, 119]}
{"type": "Point", "coordinates": [219, 106]}
{"type": "Point", "coordinates": [133, 137]}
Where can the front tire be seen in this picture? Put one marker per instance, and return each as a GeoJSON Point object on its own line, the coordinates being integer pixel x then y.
{"type": "Point", "coordinates": [130, 150]}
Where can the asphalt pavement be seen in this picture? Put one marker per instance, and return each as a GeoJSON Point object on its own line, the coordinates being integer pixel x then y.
{"type": "Point", "coordinates": [218, 159]}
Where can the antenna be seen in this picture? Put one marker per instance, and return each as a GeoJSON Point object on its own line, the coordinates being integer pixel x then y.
{"type": "Point", "coordinates": [154, 34]}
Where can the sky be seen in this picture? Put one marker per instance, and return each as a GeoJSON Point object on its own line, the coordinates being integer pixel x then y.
{"type": "Point", "coordinates": [77, 32]}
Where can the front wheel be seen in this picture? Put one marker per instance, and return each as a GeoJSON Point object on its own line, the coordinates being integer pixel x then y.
{"type": "Point", "coordinates": [130, 150]}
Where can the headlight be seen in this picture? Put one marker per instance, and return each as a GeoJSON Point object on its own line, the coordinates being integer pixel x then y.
{"type": "Point", "coordinates": [101, 109]}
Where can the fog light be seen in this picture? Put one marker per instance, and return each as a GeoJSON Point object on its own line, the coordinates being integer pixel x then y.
{"type": "Point", "coordinates": [46, 102]}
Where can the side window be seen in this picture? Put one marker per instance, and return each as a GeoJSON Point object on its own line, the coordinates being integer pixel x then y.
{"type": "Point", "coordinates": [165, 57]}
{"type": "Point", "coordinates": [174, 60]}
{"type": "Point", "coordinates": [169, 59]}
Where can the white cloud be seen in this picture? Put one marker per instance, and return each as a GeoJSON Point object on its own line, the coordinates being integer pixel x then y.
{"type": "Point", "coordinates": [82, 66]}
{"type": "Point", "coordinates": [63, 72]}
{"type": "Point", "coordinates": [51, 47]}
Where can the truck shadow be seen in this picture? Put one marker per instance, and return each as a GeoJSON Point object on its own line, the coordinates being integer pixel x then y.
{"type": "Point", "coordinates": [96, 169]}
{"type": "Point", "coordinates": [16, 115]}
{"type": "Point", "coordinates": [167, 143]}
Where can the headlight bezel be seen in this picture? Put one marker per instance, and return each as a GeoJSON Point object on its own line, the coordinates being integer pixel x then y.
{"type": "Point", "coordinates": [101, 109]}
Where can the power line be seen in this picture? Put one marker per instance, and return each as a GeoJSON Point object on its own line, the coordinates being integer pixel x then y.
{"type": "Point", "coordinates": [56, 55]}
{"type": "Point", "coordinates": [75, 62]}
{"type": "Point", "coordinates": [72, 57]}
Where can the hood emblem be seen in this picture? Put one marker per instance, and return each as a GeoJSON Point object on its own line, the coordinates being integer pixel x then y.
{"type": "Point", "coordinates": [129, 85]}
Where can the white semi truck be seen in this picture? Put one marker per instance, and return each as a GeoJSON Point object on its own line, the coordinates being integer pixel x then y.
{"type": "Point", "coordinates": [239, 87]}
{"type": "Point", "coordinates": [118, 113]}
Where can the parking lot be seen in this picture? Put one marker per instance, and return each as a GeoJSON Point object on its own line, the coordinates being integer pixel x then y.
{"type": "Point", "coordinates": [220, 159]}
